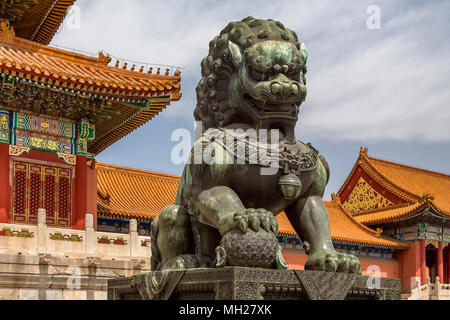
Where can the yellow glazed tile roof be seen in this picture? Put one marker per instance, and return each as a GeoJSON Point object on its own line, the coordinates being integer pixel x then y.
{"type": "Point", "coordinates": [132, 97]}
{"type": "Point", "coordinates": [55, 67]}
{"type": "Point", "coordinates": [388, 214]}
{"type": "Point", "coordinates": [417, 181]}
{"type": "Point", "coordinates": [134, 193]}
{"type": "Point", "coordinates": [416, 188]}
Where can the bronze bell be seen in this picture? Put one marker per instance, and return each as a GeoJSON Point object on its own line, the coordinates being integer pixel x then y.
{"type": "Point", "coordinates": [290, 186]}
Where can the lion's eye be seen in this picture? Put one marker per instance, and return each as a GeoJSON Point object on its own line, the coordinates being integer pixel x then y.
{"type": "Point", "coordinates": [257, 75]}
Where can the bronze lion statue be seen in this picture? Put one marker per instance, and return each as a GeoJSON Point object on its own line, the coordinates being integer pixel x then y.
{"type": "Point", "coordinates": [248, 99]}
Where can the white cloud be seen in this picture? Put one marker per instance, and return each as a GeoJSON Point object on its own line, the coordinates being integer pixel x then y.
{"type": "Point", "coordinates": [392, 88]}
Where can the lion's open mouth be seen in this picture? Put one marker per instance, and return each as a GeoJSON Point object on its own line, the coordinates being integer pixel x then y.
{"type": "Point", "coordinates": [272, 109]}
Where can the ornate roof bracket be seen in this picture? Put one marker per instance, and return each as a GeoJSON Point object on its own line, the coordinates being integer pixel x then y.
{"type": "Point", "coordinates": [36, 20]}
{"type": "Point", "coordinates": [116, 101]}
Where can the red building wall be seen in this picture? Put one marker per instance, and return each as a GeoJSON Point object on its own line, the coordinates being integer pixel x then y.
{"type": "Point", "coordinates": [81, 192]}
{"type": "Point", "coordinates": [5, 189]}
{"type": "Point", "coordinates": [92, 191]}
{"type": "Point", "coordinates": [389, 268]}
{"type": "Point", "coordinates": [410, 263]}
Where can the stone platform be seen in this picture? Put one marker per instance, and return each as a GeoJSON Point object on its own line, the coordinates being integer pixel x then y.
{"type": "Point", "coordinates": [238, 283]}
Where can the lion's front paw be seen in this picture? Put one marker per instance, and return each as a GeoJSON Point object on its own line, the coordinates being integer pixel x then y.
{"type": "Point", "coordinates": [348, 263]}
{"type": "Point", "coordinates": [330, 260]}
{"type": "Point", "coordinates": [255, 219]}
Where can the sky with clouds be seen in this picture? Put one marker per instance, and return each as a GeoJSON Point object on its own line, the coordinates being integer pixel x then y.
{"type": "Point", "coordinates": [386, 88]}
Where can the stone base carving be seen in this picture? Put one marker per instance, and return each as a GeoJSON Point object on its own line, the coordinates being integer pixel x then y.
{"type": "Point", "coordinates": [239, 283]}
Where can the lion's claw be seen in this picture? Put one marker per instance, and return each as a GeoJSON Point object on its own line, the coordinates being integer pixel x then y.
{"type": "Point", "coordinates": [242, 220]}
{"type": "Point", "coordinates": [330, 260]}
{"type": "Point", "coordinates": [266, 225]}
{"type": "Point", "coordinates": [264, 219]}
{"type": "Point", "coordinates": [243, 225]}
{"type": "Point", "coordinates": [255, 219]}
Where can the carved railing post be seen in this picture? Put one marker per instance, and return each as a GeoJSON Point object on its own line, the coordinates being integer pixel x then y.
{"type": "Point", "coordinates": [437, 287]}
{"type": "Point", "coordinates": [134, 238]}
{"type": "Point", "coordinates": [90, 233]}
{"type": "Point", "coordinates": [418, 288]}
{"type": "Point", "coordinates": [41, 231]}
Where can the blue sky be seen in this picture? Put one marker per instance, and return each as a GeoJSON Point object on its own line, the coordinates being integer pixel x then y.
{"type": "Point", "coordinates": [386, 89]}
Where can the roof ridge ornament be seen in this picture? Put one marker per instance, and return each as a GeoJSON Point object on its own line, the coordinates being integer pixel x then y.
{"type": "Point", "coordinates": [104, 59]}
{"type": "Point", "coordinates": [335, 198]}
{"type": "Point", "coordinates": [363, 151]}
{"type": "Point", "coordinates": [7, 32]}
{"type": "Point", "coordinates": [426, 199]}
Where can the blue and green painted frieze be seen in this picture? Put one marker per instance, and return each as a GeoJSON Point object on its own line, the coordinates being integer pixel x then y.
{"type": "Point", "coordinates": [5, 117]}
{"type": "Point", "coordinates": [44, 133]}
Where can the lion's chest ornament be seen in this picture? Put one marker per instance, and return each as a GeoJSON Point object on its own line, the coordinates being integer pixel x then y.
{"type": "Point", "coordinates": [242, 149]}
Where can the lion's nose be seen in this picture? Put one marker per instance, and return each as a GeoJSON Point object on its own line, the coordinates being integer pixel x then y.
{"type": "Point", "coordinates": [284, 88]}
{"type": "Point", "coordinates": [275, 88]}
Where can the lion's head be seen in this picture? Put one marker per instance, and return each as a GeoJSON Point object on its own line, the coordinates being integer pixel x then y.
{"type": "Point", "coordinates": [254, 73]}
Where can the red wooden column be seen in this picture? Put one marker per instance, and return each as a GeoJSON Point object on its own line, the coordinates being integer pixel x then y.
{"type": "Point", "coordinates": [448, 263]}
{"type": "Point", "coordinates": [5, 188]}
{"type": "Point", "coordinates": [80, 196]}
{"type": "Point", "coordinates": [445, 254]}
{"type": "Point", "coordinates": [440, 262]}
{"type": "Point", "coordinates": [423, 261]}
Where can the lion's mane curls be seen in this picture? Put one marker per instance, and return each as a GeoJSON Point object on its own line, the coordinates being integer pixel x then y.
{"type": "Point", "coordinates": [213, 108]}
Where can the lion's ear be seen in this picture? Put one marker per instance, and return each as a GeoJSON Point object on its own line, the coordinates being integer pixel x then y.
{"type": "Point", "coordinates": [236, 55]}
{"type": "Point", "coordinates": [304, 51]}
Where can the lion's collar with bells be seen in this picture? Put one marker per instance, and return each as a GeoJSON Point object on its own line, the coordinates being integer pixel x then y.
{"type": "Point", "coordinates": [292, 159]}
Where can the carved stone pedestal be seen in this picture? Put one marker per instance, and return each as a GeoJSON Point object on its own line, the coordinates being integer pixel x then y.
{"type": "Point", "coordinates": [237, 283]}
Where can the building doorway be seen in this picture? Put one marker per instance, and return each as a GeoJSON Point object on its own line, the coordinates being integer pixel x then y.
{"type": "Point", "coordinates": [40, 186]}
{"type": "Point", "coordinates": [431, 262]}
